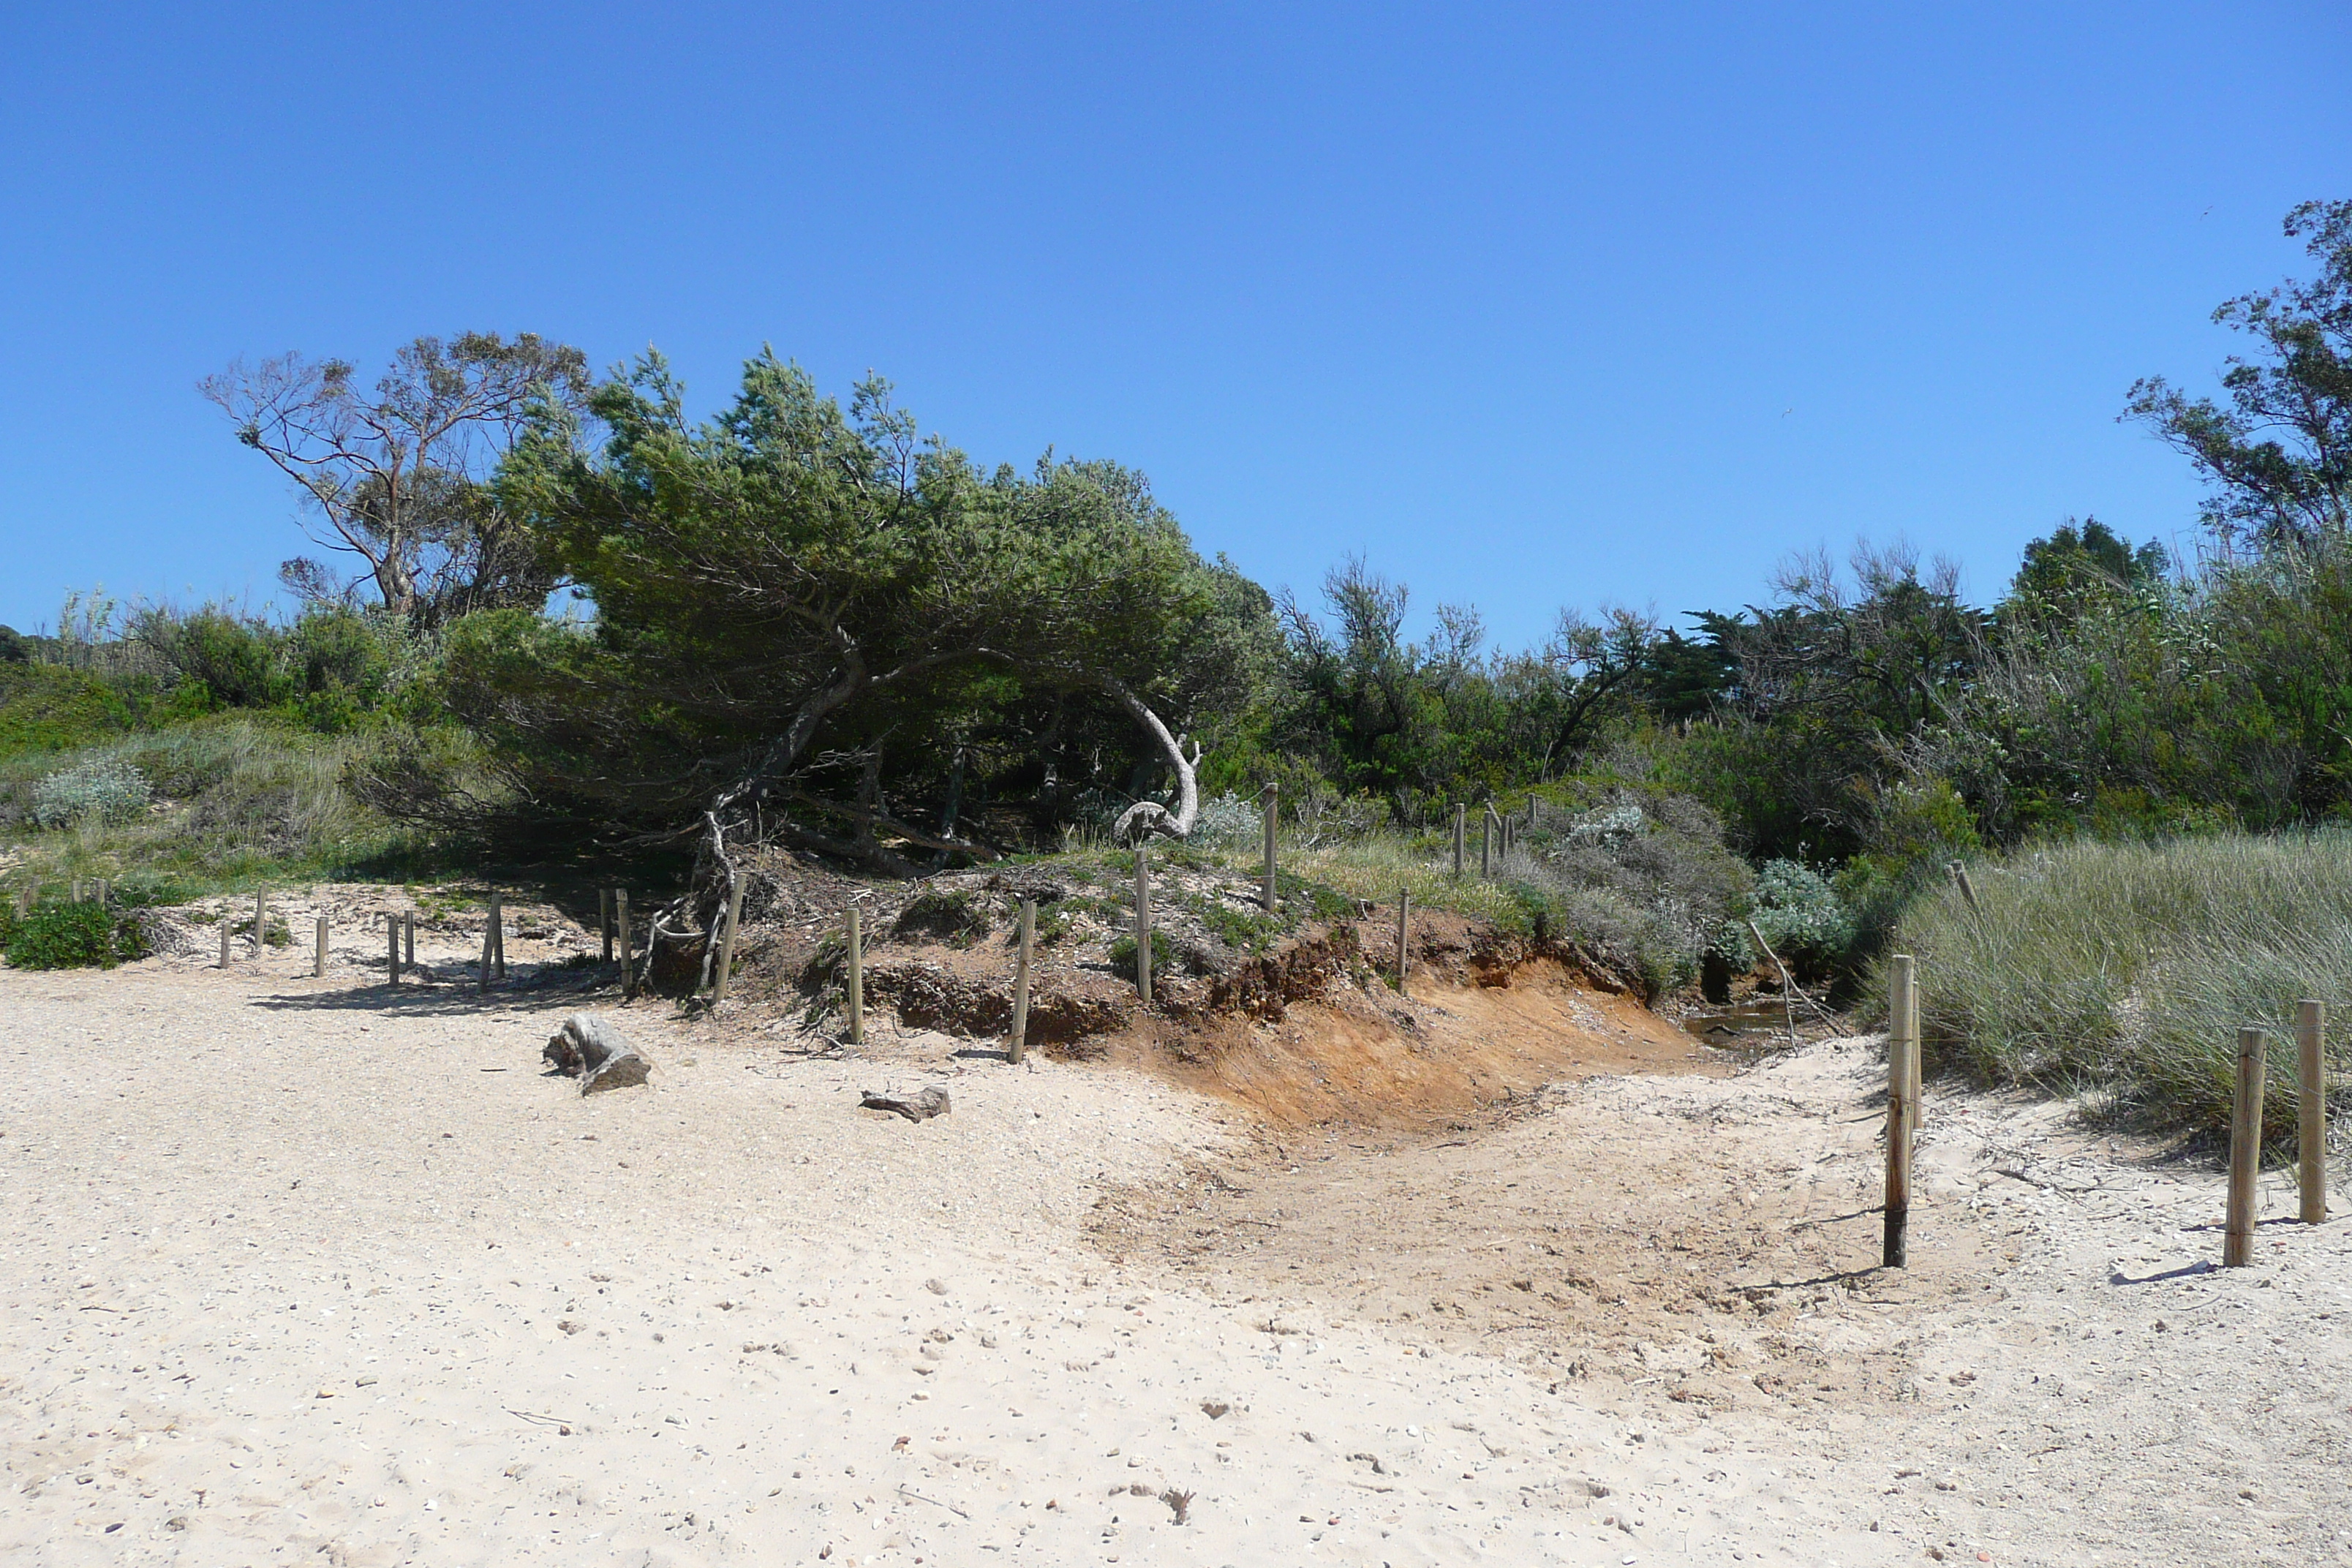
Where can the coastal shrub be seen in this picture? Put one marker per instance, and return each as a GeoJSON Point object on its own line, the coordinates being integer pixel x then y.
{"type": "Point", "coordinates": [1802, 916]}
{"type": "Point", "coordinates": [109, 788]}
{"type": "Point", "coordinates": [1230, 823]}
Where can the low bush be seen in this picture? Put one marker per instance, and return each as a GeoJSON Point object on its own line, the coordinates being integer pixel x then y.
{"type": "Point", "coordinates": [1802, 916]}
{"type": "Point", "coordinates": [71, 936]}
{"type": "Point", "coordinates": [957, 919]}
{"type": "Point", "coordinates": [1123, 949]}
{"type": "Point", "coordinates": [110, 788]}
{"type": "Point", "coordinates": [1242, 930]}
{"type": "Point", "coordinates": [1229, 823]}
{"type": "Point", "coordinates": [239, 797]}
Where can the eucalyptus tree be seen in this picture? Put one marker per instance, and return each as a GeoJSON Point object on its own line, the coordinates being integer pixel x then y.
{"type": "Point", "coordinates": [397, 474]}
{"type": "Point", "coordinates": [2277, 457]}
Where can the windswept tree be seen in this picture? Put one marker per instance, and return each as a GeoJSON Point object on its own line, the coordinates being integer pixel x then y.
{"type": "Point", "coordinates": [397, 475]}
{"type": "Point", "coordinates": [810, 617]}
{"type": "Point", "coordinates": [2278, 455]}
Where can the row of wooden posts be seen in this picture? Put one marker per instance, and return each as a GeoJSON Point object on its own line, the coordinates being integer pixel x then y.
{"type": "Point", "coordinates": [2246, 1120]}
{"type": "Point", "coordinates": [91, 892]}
{"type": "Point", "coordinates": [1497, 834]}
{"type": "Point", "coordinates": [400, 940]}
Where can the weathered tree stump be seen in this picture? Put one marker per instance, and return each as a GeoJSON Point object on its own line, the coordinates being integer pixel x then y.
{"type": "Point", "coordinates": [589, 1048]}
{"type": "Point", "coordinates": [920, 1106]}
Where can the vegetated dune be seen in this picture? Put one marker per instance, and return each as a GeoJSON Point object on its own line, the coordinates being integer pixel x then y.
{"type": "Point", "coordinates": [314, 1269]}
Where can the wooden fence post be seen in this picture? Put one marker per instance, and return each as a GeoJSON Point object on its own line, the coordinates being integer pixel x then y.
{"type": "Point", "coordinates": [2246, 1148]}
{"type": "Point", "coordinates": [319, 951]}
{"type": "Point", "coordinates": [408, 938]}
{"type": "Point", "coordinates": [1902, 1104]}
{"type": "Point", "coordinates": [621, 929]}
{"type": "Point", "coordinates": [482, 980]}
{"type": "Point", "coordinates": [499, 934]}
{"type": "Point", "coordinates": [857, 980]}
{"type": "Point", "coordinates": [1143, 922]}
{"type": "Point", "coordinates": [1967, 889]}
{"type": "Point", "coordinates": [2311, 1109]}
{"type": "Point", "coordinates": [1460, 812]}
{"type": "Point", "coordinates": [1404, 939]}
{"type": "Point", "coordinates": [260, 918]}
{"type": "Point", "coordinates": [1019, 1044]}
{"type": "Point", "coordinates": [1486, 841]}
{"type": "Point", "coordinates": [1918, 1100]}
{"type": "Point", "coordinates": [604, 920]}
{"type": "Point", "coordinates": [225, 925]}
{"type": "Point", "coordinates": [727, 942]}
{"type": "Point", "coordinates": [1273, 814]}
{"type": "Point", "coordinates": [391, 945]}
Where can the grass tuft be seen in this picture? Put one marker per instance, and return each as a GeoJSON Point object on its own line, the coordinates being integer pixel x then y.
{"type": "Point", "coordinates": [2127, 969]}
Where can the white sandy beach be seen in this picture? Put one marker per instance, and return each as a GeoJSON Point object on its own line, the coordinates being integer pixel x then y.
{"type": "Point", "coordinates": [297, 1271]}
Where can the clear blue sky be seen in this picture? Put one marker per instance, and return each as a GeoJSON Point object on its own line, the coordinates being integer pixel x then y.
{"type": "Point", "coordinates": [1531, 306]}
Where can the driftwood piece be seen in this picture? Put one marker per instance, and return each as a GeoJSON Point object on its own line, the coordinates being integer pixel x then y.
{"type": "Point", "coordinates": [589, 1048]}
{"type": "Point", "coordinates": [919, 1106]}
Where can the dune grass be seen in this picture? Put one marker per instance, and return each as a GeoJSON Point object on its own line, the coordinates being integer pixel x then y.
{"type": "Point", "coordinates": [2126, 970]}
{"type": "Point", "coordinates": [236, 801]}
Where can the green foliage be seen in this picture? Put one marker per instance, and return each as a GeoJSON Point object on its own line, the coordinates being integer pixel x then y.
{"type": "Point", "coordinates": [1917, 830]}
{"type": "Point", "coordinates": [1642, 881]}
{"type": "Point", "coordinates": [1243, 930]}
{"type": "Point", "coordinates": [49, 708]}
{"type": "Point", "coordinates": [330, 669]}
{"type": "Point", "coordinates": [274, 935]}
{"type": "Point", "coordinates": [2128, 968]}
{"type": "Point", "coordinates": [782, 590]}
{"type": "Point", "coordinates": [1053, 923]}
{"type": "Point", "coordinates": [1831, 678]}
{"type": "Point", "coordinates": [2075, 570]}
{"type": "Point", "coordinates": [239, 797]}
{"type": "Point", "coordinates": [1123, 950]}
{"type": "Point", "coordinates": [2278, 459]}
{"type": "Point", "coordinates": [71, 936]}
{"type": "Point", "coordinates": [2218, 699]}
{"type": "Point", "coordinates": [1302, 899]}
{"type": "Point", "coordinates": [1229, 823]}
{"type": "Point", "coordinates": [1417, 724]}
